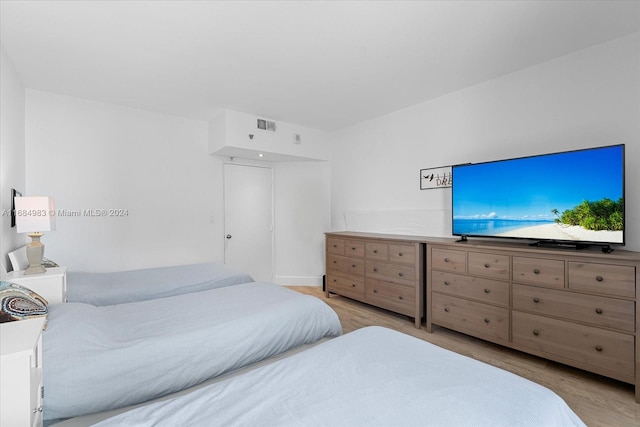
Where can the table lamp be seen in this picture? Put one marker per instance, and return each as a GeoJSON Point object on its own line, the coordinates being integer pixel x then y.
{"type": "Point", "coordinates": [35, 215]}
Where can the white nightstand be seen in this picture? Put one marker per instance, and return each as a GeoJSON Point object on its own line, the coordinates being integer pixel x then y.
{"type": "Point", "coordinates": [51, 285]}
{"type": "Point", "coordinates": [21, 373]}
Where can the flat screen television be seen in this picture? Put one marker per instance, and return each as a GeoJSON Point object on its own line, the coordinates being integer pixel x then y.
{"type": "Point", "coordinates": [573, 198]}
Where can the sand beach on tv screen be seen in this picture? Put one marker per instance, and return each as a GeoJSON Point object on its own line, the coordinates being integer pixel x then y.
{"type": "Point", "coordinates": [564, 232]}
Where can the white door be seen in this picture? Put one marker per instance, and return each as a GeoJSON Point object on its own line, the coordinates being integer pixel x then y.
{"type": "Point", "coordinates": [248, 223]}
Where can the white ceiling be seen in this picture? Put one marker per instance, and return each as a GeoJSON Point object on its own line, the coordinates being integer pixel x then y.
{"type": "Point", "coordinates": [321, 64]}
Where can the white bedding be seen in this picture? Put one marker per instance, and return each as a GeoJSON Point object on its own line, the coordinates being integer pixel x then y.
{"type": "Point", "coordinates": [371, 377]}
{"type": "Point", "coordinates": [150, 283]}
{"type": "Point", "coordinates": [100, 358]}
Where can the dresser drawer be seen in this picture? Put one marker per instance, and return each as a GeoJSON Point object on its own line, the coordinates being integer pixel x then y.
{"type": "Point", "coordinates": [405, 254]}
{"type": "Point", "coordinates": [335, 246]}
{"type": "Point", "coordinates": [606, 279]}
{"type": "Point", "coordinates": [613, 351]}
{"type": "Point", "coordinates": [488, 321]}
{"type": "Point", "coordinates": [599, 311]}
{"type": "Point", "coordinates": [477, 288]}
{"type": "Point", "coordinates": [539, 271]}
{"type": "Point", "coordinates": [449, 260]}
{"type": "Point", "coordinates": [342, 264]}
{"type": "Point", "coordinates": [399, 273]}
{"type": "Point", "coordinates": [352, 287]}
{"type": "Point", "coordinates": [489, 265]}
{"type": "Point", "coordinates": [354, 248]}
{"type": "Point", "coordinates": [392, 296]}
{"type": "Point", "coordinates": [376, 250]}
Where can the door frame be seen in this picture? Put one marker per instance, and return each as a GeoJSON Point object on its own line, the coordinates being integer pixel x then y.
{"type": "Point", "coordinates": [249, 163]}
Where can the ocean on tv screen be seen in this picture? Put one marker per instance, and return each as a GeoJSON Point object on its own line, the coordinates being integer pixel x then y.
{"type": "Point", "coordinates": [535, 230]}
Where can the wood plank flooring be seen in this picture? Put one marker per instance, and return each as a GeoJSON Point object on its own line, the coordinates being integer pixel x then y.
{"type": "Point", "coordinates": [597, 400]}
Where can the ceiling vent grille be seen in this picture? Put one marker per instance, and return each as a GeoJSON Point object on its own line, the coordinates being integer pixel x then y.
{"type": "Point", "coordinates": [269, 125]}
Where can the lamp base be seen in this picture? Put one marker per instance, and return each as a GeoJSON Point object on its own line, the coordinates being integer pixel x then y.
{"type": "Point", "coordinates": [35, 251]}
{"type": "Point", "coordinates": [35, 270]}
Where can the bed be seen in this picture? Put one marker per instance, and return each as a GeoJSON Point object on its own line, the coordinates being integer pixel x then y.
{"type": "Point", "coordinates": [139, 285]}
{"type": "Point", "coordinates": [372, 376]}
{"type": "Point", "coordinates": [100, 358]}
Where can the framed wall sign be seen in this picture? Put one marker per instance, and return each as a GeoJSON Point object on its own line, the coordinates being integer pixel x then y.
{"type": "Point", "coordinates": [435, 178]}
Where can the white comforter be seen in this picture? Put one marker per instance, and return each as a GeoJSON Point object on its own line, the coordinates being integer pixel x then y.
{"type": "Point", "coordinates": [120, 287]}
{"type": "Point", "coordinates": [101, 358]}
{"type": "Point", "coordinates": [370, 377]}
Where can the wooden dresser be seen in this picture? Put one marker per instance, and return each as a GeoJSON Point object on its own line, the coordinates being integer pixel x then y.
{"type": "Point", "coordinates": [575, 307]}
{"type": "Point", "coordinates": [379, 269]}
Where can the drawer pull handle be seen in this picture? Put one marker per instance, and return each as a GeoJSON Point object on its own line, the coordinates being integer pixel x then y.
{"type": "Point", "coordinates": [536, 300]}
{"type": "Point", "coordinates": [335, 280]}
{"type": "Point", "coordinates": [446, 283]}
{"type": "Point", "coordinates": [399, 253]}
{"type": "Point", "coordinates": [353, 285]}
{"type": "Point", "coordinates": [487, 265]}
{"type": "Point", "coordinates": [400, 297]}
{"type": "Point", "coordinates": [335, 262]}
{"type": "Point", "coordinates": [486, 320]}
{"type": "Point", "coordinates": [536, 271]}
{"type": "Point", "coordinates": [446, 309]}
{"type": "Point", "coordinates": [335, 246]}
{"type": "Point", "coordinates": [598, 348]}
{"type": "Point", "coordinates": [486, 291]}
{"type": "Point", "coordinates": [375, 270]}
{"type": "Point", "coordinates": [536, 332]}
{"type": "Point", "coordinates": [599, 278]}
{"type": "Point", "coordinates": [400, 274]}
{"type": "Point", "coordinates": [375, 291]}
{"type": "Point", "coordinates": [598, 311]}
{"type": "Point", "coordinates": [375, 251]}
{"type": "Point", "coordinates": [446, 260]}
{"type": "Point", "coordinates": [353, 265]}
{"type": "Point", "coordinates": [353, 249]}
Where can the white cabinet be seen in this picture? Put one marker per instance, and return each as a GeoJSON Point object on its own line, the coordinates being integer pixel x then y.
{"type": "Point", "coordinates": [21, 373]}
{"type": "Point", "coordinates": [51, 285]}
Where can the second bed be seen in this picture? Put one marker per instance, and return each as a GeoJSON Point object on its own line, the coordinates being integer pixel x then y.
{"type": "Point", "coordinates": [100, 358]}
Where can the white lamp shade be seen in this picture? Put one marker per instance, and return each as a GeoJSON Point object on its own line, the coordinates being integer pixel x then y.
{"type": "Point", "coordinates": [34, 214]}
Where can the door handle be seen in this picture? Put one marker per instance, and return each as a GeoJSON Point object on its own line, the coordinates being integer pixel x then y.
{"type": "Point", "coordinates": [228, 236]}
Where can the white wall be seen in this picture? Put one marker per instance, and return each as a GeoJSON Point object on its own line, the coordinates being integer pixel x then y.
{"type": "Point", "coordinates": [12, 153]}
{"type": "Point", "coordinates": [584, 99]}
{"type": "Point", "coordinates": [91, 155]}
{"type": "Point", "coordinates": [302, 216]}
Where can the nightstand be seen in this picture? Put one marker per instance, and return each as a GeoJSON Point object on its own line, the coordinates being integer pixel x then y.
{"type": "Point", "coordinates": [21, 373]}
{"type": "Point", "coordinates": [51, 285]}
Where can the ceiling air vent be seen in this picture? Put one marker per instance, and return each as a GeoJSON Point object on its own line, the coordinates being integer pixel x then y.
{"type": "Point", "coordinates": [266, 125]}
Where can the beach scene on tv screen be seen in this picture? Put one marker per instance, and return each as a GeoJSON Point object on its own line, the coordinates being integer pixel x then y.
{"type": "Point", "coordinates": [572, 196]}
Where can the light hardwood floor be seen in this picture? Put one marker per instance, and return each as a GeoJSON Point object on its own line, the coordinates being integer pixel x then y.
{"type": "Point", "coordinates": [597, 400]}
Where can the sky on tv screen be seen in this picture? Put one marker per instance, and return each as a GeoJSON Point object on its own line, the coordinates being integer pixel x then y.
{"type": "Point", "coordinates": [529, 189]}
